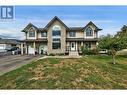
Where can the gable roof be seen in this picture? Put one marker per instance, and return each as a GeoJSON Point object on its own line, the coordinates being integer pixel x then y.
{"type": "Point", "coordinates": [68, 28]}
{"type": "Point", "coordinates": [55, 18]}
{"type": "Point", "coordinates": [28, 26]}
{"type": "Point", "coordinates": [91, 23]}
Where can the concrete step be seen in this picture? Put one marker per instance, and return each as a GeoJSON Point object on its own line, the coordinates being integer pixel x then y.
{"type": "Point", "coordinates": [73, 53]}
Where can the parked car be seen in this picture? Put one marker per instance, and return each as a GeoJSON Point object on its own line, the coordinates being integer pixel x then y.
{"type": "Point", "coordinates": [14, 50]}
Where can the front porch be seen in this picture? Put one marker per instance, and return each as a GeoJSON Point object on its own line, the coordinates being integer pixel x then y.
{"type": "Point", "coordinates": [34, 47]}
{"type": "Point", "coordinates": [76, 46]}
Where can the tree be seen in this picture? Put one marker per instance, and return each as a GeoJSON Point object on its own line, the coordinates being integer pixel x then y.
{"type": "Point", "coordinates": [113, 44]}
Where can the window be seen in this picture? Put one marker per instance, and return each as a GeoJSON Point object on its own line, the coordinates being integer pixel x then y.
{"type": "Point", "coordinates": [56, 31]}
{"type": "Point", "coordinates": [88, 45]}
{"type": "Point", "coordinates": [72, 34]}
{"type": "Point", "coordinates": [44, 34]}
{"type": "Point", "coordinates": [56, 45]}
{"type": "Point", "coordinates": [31, 32]}
{"type": "Point", "coordinates": [89, 32]}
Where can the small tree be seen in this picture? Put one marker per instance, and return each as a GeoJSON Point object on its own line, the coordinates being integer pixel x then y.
{"type": "Point", "coordinates": [113, 44]}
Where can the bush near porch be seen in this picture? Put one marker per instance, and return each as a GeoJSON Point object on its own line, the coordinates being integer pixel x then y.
{"type": "Point", "coordinates": [87, 51]}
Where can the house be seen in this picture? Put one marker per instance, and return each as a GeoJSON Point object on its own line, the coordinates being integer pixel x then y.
{"type": "Point", "coordinates": [56, 37]}
{"type": "Point", "coordinates": [6, 44]}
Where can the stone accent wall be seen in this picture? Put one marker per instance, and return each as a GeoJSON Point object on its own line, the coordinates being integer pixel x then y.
{"type": "Point", "coordinates": [63, 39]}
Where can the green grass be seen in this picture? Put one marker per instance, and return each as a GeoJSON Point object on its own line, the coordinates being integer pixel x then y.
{"type": "Point", "coordinates": [89, 72]}
{"type": "Point", "coordinates": [54, 60]}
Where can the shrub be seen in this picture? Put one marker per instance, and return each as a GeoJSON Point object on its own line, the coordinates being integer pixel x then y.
{"type": "Point", "coordinates": [51, 54]}
{"type": "Point", "coordinates": [95, 51]}
{"type": "Point", "coordinates": [61, 54]}
{"type": "Point", "coordinates": [86, 51]}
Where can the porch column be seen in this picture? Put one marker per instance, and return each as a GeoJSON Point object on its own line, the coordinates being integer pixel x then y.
{"type": "Point", "coordinates": [76, 46]}
{"type": "Point", "coordinates": [21, 47]}
{"type": "Point", "coordinates": [26, 48]}
{"type": "Point", "coordinates": [34, 47]}
{"type": "Point", "coordinates": [81, 43]}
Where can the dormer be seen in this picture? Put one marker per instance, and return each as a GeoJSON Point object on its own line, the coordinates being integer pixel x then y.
{"type": "Point", "coordinates": [30, 31]}
{"type": "Point", "coordinates": [91, 30]}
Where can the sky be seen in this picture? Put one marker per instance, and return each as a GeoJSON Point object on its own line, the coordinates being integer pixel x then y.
{"type": "Point", "coordinates": [109, 18]}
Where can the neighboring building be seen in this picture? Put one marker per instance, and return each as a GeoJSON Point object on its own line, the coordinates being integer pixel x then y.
{"type": "Point", "coordinates": [56, 37]}
{"type": "Point", "coordinates": [8, 43]}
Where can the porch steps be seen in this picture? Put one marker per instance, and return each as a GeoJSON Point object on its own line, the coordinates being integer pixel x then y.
{"type": "Point", "coordinates": [73, 53]}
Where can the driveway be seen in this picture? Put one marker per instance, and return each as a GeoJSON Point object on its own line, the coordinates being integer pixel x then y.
{"type": "Point", "coordinates": [8, 63]}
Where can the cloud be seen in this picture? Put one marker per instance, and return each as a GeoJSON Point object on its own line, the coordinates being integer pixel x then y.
{"type": "Point", "coordinates": [72, 22]}
{"type": "Point", "coordinates": [11, 33]}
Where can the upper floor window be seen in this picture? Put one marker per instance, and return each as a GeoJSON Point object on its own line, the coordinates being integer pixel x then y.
{"type": "Point", "coordinates": [89, 31]}
{"type": "Point", "coordinates": [72, 34]}
{"type": "Point", "coordinates": [32, 32]}
{"type": "Point", "coordinates": [44, 34]}
{"type": "Point", "coordinates": [56, 31]}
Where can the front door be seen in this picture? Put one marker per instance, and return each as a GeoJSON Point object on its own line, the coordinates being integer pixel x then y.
{"type": "Point", "coordinates": [73, 46]}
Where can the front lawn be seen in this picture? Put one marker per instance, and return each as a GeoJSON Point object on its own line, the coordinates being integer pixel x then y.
{"type": "Point", "coordinates": [89, 72]}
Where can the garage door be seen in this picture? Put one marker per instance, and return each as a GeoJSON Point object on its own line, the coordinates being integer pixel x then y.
{"type": "Point", "coordinates": [30, 50]}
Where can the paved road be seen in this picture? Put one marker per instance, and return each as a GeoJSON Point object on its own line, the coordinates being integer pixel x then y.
{"type": "Point", "coordinates": [8, 63]}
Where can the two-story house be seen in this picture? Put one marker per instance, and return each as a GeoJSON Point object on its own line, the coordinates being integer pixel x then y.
{"type": "Point", "coordinates": [56, 37]}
